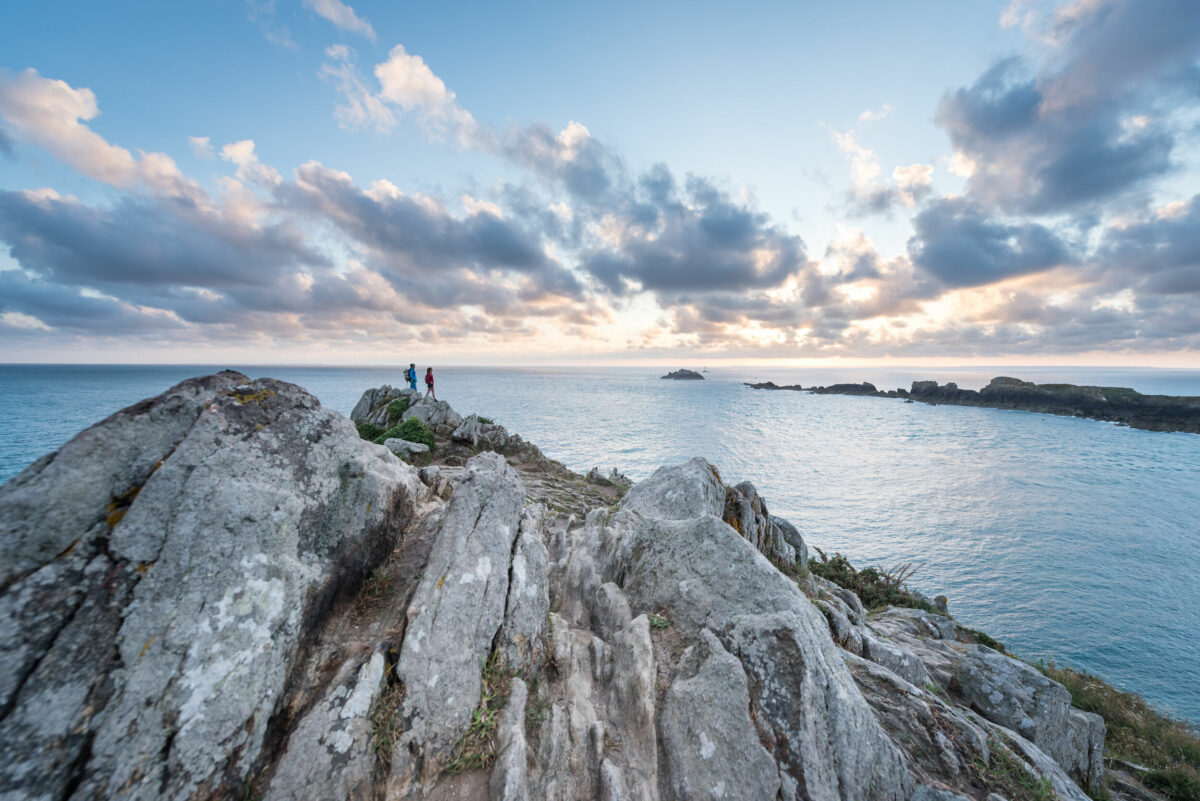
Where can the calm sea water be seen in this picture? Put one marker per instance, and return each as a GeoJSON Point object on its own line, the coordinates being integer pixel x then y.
{"type": "Point", "coordinates": [1070, 540]}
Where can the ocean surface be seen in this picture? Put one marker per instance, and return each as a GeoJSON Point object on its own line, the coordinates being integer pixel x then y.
{"type": "Point", "coordinates": [1070, 540]}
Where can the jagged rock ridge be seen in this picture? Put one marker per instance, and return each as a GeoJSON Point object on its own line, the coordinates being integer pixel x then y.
{"type": "Point", "coordinates": [223, 592]}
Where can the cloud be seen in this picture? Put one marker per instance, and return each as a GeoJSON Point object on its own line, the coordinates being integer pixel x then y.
{"type": "Point", "coordinates": [248, 167]}
{"type": "Point", "coordinates": [262, 14]}
{"type": "Point", "coordinates": [959, 245]}
{"type": "Point", "coordinates": [871, 115]}
{"type": "Point", "coordinates": [342, 16]}
{"type": "Point", "coordinates": [201, 146]}
{"type": "Point", "coordinates": [870, 195]}
{"type": "Point", "coordinates": [1064, 136]}
{"type": "Point", "coordinates": [52, 114]}
{"type": "Point", "coordinates": [360, 107]}
{"type": "Point", "coordinates": [406, 81]}
{"type": "Point", "coordinates": [1159, 255]}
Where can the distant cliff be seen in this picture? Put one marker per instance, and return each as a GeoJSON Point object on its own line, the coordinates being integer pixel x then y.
{"type": "Point", "coordinates": [228, 591]}
{"type": "Point", "coordinates": [1113, 404]}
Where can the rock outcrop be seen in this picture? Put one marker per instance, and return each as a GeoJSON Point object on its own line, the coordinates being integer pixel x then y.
{"type": "Point", "coordinates": [684, 375]}
{"type": "Point", "coordinates": [1114, 404]}
{"type": "Point", "coordinates": [224, 592]}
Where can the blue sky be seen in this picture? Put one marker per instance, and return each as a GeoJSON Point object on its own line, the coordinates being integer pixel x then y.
{"type": "Point", "coordinates": [943, 180]}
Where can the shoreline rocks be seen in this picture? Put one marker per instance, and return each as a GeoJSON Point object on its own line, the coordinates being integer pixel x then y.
{"type": "Point", "coordinates": [250, 600]}
{"type": "Point", "coordinates": [1112, 404]}
{"type": "Point", "coordinates": [684, 375]}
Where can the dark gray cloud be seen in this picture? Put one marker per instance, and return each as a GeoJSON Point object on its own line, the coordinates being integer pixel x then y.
{"type": "Point", "coordinates": [140, 240]}
{"type": "Point", "coordinates": [428, 254]}
{"type": "Point", "coordinates": [1159, 256]}
{"type": "Point", "coordinates": [958, 244]}
{"type": "Point", "coordinates": [1091, 125]}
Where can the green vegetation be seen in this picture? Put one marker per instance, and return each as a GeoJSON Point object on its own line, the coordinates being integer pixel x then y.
{"type": "Point", "coordinates": [1007, 772]}
{"type": "Point", "coordinates": [412, 430]}
{"type": "Point", "coordinates": [396, 410]}
{"type": "Point", "coordinates": [659, 622]}
{"type": "Point", "coordinates": [385, 723]}
{"type": "Point", "coordinates": [983, 639]}
{"type": "Point", "coordinates": [1138, 733]}
{"type": "Point", "coordinates": [487, 421]}
{"type": "Point", "coordinates": [369, 431]}
{"type": "Point", "coordinates": [477, 748]}
{"type": "Point", "coordinates": [877, 588]}
{"type": "Point", "coordinates": [1177, 784]}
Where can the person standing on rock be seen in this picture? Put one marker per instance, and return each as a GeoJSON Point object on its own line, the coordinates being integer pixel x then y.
{"type": "Point", "coordinates": [429, 393]}
{"type": "Point", "coordinates": [411, 375]}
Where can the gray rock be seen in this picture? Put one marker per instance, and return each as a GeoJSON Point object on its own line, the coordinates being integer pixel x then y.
{"type": "Point", "coordinates": [454, 616]}
{"type": "Point", "coordinates": [403, 448]}
{"type": "Point", "coordinates": [64, 495]}
{"type": "Point", "coordinates": [264, 511]}
{"type": "Point", "coordinates": [521, 636]}
{"type": "Point", "coordinates": [1013, 694]}
{"type": "Point", "coordinates": [510, 776]}
{"type": "Point", "coordinates": [433, 413]}
{"type": "Point", "coordinates": [711, 746]}
{"type": "Point", "coordinates": [372, 407]}
{"type": "Point", "coordinates": [329, 753]}
{"type": "Point", "coordinates": [681, 492]}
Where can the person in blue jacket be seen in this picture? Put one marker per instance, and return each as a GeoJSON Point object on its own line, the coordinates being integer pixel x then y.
{"type": "Point", "coordinates": [411, 375]}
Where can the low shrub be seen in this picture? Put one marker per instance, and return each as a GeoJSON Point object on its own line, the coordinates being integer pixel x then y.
{"type": "Point", "coordinates": [1177, 784]}
{"type": "Point", "coordinates": [396, 410]}
{"type": "Point", "coordinates": [876, 587]}
{"type": "Point", "coordinates": [412, 429]}
{"type": "Point", "coordinates": [369, 430]}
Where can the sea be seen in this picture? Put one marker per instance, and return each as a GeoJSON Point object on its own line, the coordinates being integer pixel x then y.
{"type": "Point", "coordinates": [1072, 541]}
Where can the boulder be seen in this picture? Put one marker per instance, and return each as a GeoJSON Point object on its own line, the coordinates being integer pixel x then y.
{"type": "Point", "coordinates": [203, 536]}
{"type": "Point", "coordinates": [403, 448]}
{"type": "Point", "coordinates": [434, 414]}
{"type": "Point", "coordinates": [372, 407]}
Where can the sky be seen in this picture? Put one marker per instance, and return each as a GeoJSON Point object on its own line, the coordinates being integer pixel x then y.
{"type": "Point", "coordinates": [311, 181]}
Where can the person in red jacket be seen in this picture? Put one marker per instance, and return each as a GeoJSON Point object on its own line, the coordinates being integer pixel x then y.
{"type": "Point", "coordinates": [429, 393]}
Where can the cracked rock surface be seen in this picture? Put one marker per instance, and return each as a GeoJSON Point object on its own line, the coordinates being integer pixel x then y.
{"type": "Point", "coordinates": [223, 592]}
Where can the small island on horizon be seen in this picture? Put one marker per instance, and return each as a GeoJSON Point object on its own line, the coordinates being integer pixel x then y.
{"type": "Point", "coordinates": [684, 375]}
{"type": "Point", "coordinates": [1120, 405]}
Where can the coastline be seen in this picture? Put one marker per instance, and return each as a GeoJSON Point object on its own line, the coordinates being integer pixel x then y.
{"type": "Point", "coordinates": [1120, 405]}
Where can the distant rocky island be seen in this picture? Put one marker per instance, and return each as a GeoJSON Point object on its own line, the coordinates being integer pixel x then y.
{"type": "Point", "coordinates": [229, 591]}
{"type": "Point", "coordinates": [1114, 404]}
{"type": "Point", "coordinates": [685, 375]}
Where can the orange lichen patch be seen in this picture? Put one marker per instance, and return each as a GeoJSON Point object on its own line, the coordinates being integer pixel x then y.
{"type": "Point", "coordinates": [119, 506]}
{"type": "Point", "coordinates": [251, 397]}
{"type": "Point", "coordinates": [69, 548]}
{"type": "Point", "coordinates": [143, 567]}
{"type": "Point", "coordinates": [441, 581]}
{"type": "Point", "coordinates": [146, 647]}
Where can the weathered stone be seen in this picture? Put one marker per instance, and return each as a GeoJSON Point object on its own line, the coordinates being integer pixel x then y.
{"type": "Point", "coordinates": [510, 776]}
{"type": "Point", "coordinates": [433, 413]}
{"type": "Point", "coordinates": [403, 448]}
{"type": "Point", "coordinates": [329, 753]}
{"type": "Point", "coordinates": [453, 617]}
{"type": "Point", "coordinates": [256, 511]}
{"type": "Point", "coordinates": [681, 492]}
{"type": "Point", "coordinates": [712, 748]}
{"type": "Point", "coordinates": [528, 600]}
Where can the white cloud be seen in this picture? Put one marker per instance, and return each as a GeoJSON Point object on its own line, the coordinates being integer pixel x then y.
{"type": "Point", "coordinates": [360, 106]}
{"type": "Point", "coordinates": [407, 81]}
{"type": "Point", "coordinates": [342, 16]}
{"type": "Point", "coordinates": [871, 116]}
{"type": "Point", "coordinates": [248, 167]}
{"type": "Point", "coordinates": [25, 322]}
{"type": "Point", "coordinates": [201, 146]}
{"type": "Point", "coordinates": [52, 114]}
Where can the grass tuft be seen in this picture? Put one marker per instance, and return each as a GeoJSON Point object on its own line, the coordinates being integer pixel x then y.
{"type": "Point", "coordinates": [1007, 772]}
{"type": "Point", "coordinates": [396, 410]}
{"type": "Point", "coordinates": [412, 430]}
{"type": "Point", "coordinates": [477, 749]}
{"type": "Point", "coordinates": [877, 588]}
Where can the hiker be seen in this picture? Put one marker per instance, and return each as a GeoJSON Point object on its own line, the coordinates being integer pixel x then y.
{"type": "Point", "coordinates": [410, 375]}
{"type": "Point", "coordinates": [429, 393]}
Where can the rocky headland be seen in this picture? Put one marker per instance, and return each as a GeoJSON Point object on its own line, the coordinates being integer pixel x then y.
{"type": "Point", "coordinates": [1113, 404]}
{"type": "Point", "coordinates": [684, 375]}
{"type": "Point", "coordinates": [228, 591]}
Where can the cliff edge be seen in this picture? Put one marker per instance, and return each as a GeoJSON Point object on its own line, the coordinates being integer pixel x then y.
{"type": "Point", "coordinates": [226, 591]}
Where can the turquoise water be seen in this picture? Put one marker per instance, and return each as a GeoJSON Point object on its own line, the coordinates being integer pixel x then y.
{"type": "Point", "coordinates": [1069, 540]}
